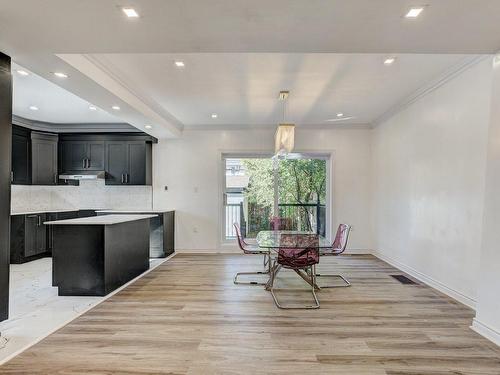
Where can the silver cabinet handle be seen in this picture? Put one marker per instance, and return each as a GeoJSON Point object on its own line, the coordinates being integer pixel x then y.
{"type": "Point", "coordinates": [55, 178]}
{"type": "Point", "coordinates": [11, 176]}
{"type": "Point", "coordinates": [126, 178]}
{"type": "Point", "coordinates": [39, 221]}
{"type": "Point", "coordinates": [83, 163]}
{"type": "Point", "coordinates": [122, 178]}
{"type": "Point", "coordinates": [88, 163]}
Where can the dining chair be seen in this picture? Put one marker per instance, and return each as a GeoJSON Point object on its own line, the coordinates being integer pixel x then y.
{"type": "Point", "coordinates": [298, 252]}
{"type": "Point", "coordinates": [338, 247]}
{"type": "Point", "coordinates": [252, 250]}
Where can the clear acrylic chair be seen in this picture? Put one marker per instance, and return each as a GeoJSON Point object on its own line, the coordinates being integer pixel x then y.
{"type": "Point", "coordinates": [252, 250]}
{"type": "Point", "coordinates": [298, 252]}
{"type": "Point", "coordinates": [338, 247]}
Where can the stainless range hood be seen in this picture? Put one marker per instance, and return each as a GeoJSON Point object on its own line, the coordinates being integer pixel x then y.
{"type": "Point", "coordinates": [87, 175]}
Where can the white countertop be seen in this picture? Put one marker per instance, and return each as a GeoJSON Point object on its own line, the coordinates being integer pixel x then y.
{"type": "Point", "coordinates": [56, 210]}
{"type": "Point", "coordinates": [100, 220]}
{"type": "Point", "coordinates": [134, 211]}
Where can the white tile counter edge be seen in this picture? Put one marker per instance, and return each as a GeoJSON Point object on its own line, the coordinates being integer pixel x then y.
{"type": "Point", "coordinates": [100, 220]}
{"type": "Point", "coordinates": [6, 359]}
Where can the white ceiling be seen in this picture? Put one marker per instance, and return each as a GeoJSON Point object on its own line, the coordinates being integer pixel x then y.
{"type": "Point", "coordinates": [239, 53]}
{"type": "Point", "coordinates": [243, 88]}
{"type": "Point", "coordinates": [340, 26]}
{"type": "Point", "coordinates": [55, 105]}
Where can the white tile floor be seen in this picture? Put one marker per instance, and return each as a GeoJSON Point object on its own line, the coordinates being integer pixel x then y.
{"type": "Point", "coordinates": [35, 308]}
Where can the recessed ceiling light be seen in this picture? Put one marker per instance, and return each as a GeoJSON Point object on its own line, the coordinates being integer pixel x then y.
{"type": "Point", "coordinates": [130, 12]}
{"type": "Point", "coordinates": [116, 108]}
{"type": "Point", "coordinates": [34, 108]}
{"type": "Point", "coordinates": [340, 114]}
{"type": "Point", "coordinates": [414, 12]}
{"type": "Point", "coordinates": [214, 115]}
{"type": "Point", "coordinates": [148, 127]}
{"type": "Point", "coordinates": [179, 64]}
{"type": "Point", "coordinates": [92, 107]}
{"type": "Point", "coordinates": [389, 61]}
{"type": "Point", "coordinates": [61, 75]}
{"type": "Point", "coordinates": [22, 72]}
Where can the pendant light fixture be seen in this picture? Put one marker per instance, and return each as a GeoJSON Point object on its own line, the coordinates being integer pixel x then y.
{"type": "Point", "coordinates": [285, 134]}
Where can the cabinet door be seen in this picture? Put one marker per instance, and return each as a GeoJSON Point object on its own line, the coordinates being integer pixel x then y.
{"type": "Point", "coordinates": [136, 171]}
{"type": "Point", "coordinates": [44, 160]}
{"type": "Point", "coordinates": [21, 171]}
{"type": "Point", "coordinates": [30, 235]}
{"type": "Point", "coordinates": [95, 156]}
{"type": "Point", "coordinates": [41, 234]}
{"type": "Point", "coordinates": [116, 162]}
{"type": "Point", "coordinates": [73, 154]}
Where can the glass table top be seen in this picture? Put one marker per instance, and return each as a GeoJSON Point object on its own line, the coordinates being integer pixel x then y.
{"type": "Point", "coordinates": [274, 239]}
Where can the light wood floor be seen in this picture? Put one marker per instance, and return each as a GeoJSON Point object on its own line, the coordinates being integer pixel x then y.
{"type": "Point", "coordinates": [187, 317]}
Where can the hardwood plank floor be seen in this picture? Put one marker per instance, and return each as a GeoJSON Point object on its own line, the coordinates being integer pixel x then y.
{"type": "Point", "coordinates": [187, 317]}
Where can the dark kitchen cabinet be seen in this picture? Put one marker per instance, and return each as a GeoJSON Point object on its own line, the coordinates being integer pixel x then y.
{"type": "Point", "coordinates": [86, 213]}
{"type": "Point", "coordinates": [128, 163]}
{"type": "Point", "coordinates": [28, 237]}
{"type": "Point", "coordinates": [21, 156]}
{"type": "Point", "coordinates": [116, 162]}
{"type": "Point", "coordinates": [82, 155]}
{"type": "Point", "coordinates": [44, 158]}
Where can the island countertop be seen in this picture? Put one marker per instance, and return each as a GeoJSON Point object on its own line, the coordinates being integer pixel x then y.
{"type": "Point", "coordinates": [135, 211]}
{"type": "Point", "coordinates": [100, 220]}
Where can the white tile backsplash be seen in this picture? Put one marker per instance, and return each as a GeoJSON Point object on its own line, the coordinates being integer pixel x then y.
{"type": "Point", "coordinates": [90, 194]}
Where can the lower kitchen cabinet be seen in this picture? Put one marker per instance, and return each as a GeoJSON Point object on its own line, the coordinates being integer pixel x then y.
{"type": "Point", "coordinates": [28, 237]}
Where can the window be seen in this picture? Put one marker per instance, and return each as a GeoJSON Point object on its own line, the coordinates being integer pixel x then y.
{"type": "Point", "coordinates": [258, 188]}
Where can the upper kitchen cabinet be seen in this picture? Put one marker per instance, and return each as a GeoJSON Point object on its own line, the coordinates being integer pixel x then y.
{"type": "Point", "coordinates": [128, 162]}
{"type": "Point", "coordinates": [21, 156]}
{"type": "Point", "coordinates": [82, 155]}
{"type": "Point", "coordinates": [43, 158]}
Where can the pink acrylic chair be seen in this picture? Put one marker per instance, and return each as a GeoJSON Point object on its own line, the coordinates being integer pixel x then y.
{"type": "Point", "coordinates": [252, 250]}
{"type": "Point", "coordinates": [338, 247]}
{"type": "Point", "coordinates": [298, 252]}
{"type": "Point", "coordinates": [281, 223]}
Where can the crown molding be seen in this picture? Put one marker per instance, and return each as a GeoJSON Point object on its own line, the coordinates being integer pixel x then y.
{"type": "Point", "coordinates": [73, 128]}
{"type": "Point", "coordinates": [226, 127]}
{"type": "Point", "coordinates": [431, 86]}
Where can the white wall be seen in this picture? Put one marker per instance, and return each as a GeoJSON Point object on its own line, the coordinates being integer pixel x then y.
{"type": "Point", "coordinates": [190, 167]}
{"type": "Point", "coordinates": [487, 320]}
{"type": "Point", "coordinates": [428, 178]}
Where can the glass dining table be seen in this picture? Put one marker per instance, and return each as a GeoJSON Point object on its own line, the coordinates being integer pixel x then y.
{"type": "Point", "coordinates": [272, 241]}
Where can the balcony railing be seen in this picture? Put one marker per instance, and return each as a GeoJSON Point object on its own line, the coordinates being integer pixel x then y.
{"type": "Point", "coordinates": [303, 217]}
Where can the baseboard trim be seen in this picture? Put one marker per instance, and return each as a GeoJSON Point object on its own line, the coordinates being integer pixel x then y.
{"type": "Point", "coordinates": [456, 295]}
{"type": "Point", "coordinates": [358, 252]}
{"type": "Point", "coordinates": [230, 250]}
{"type": "Point", "coordinates": [209, 251]}
{"type": "Point", "coordinates": [486, 331]}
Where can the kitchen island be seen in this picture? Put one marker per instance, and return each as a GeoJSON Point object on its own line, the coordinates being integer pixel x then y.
{"type": "Point", "coordinates": [95, 255]}
{"type": "Point", "coordinates": [162, 229]}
